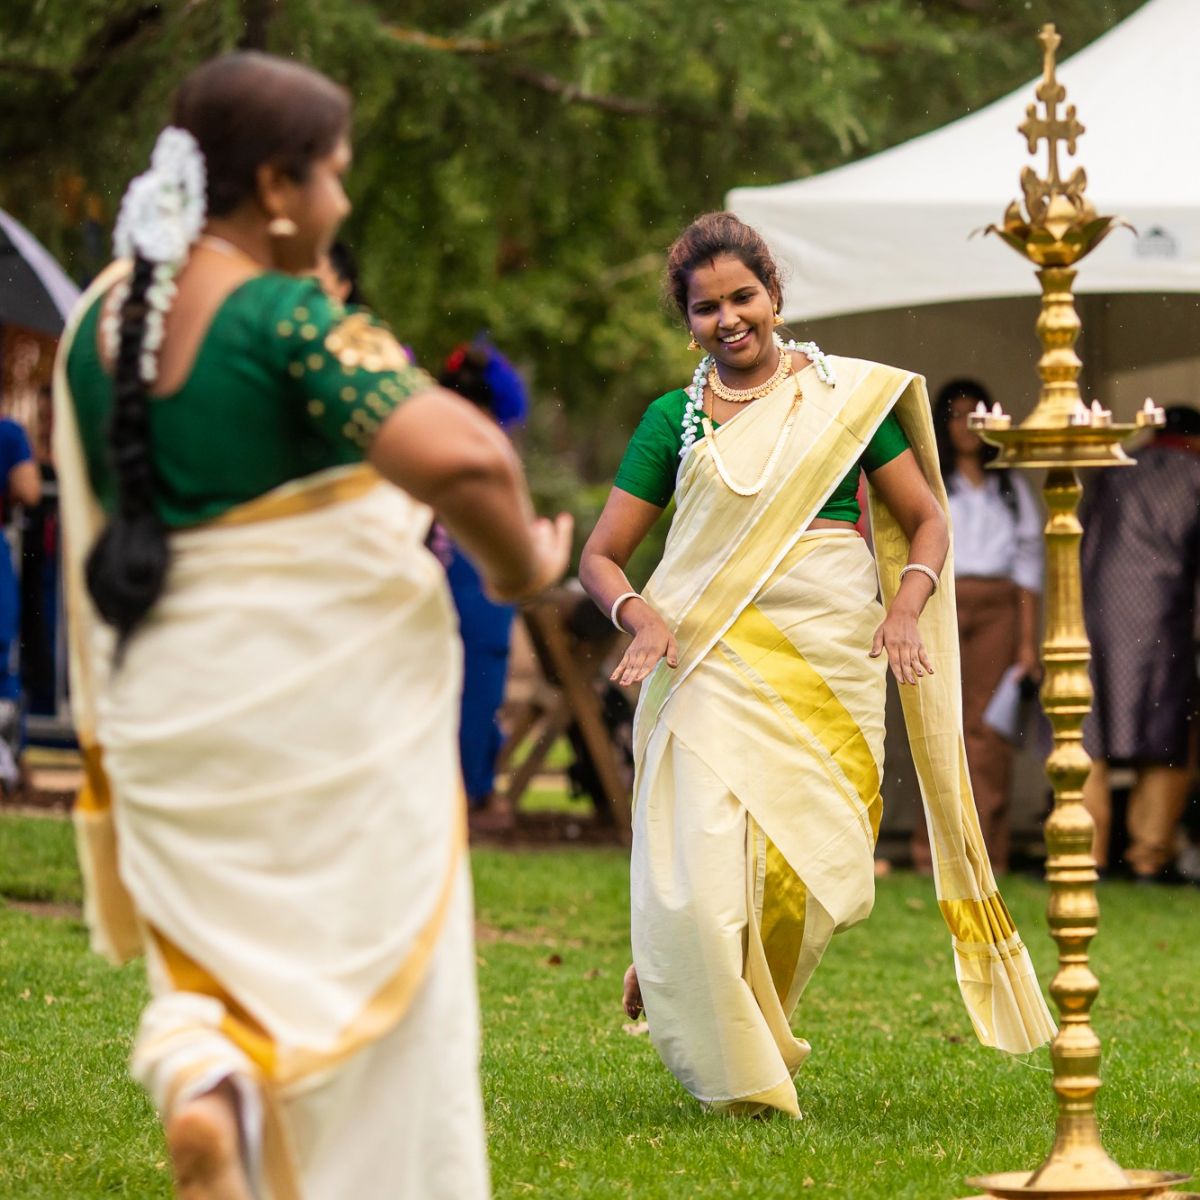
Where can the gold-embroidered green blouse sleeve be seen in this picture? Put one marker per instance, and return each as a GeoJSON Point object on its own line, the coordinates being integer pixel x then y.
{"type": "Point", "coordinates": [285, 384]}
{"type": "Point", "coordinates": [349, 366]}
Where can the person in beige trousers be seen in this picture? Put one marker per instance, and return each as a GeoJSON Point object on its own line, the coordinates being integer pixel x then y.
{"type": "Point", "coordinates": [998, 578]}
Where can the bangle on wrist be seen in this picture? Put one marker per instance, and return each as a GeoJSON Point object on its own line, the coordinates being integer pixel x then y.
{"type": "Point", "coordinates": [614, 612]}
{"type": "Point", "coordinates": [924, 570]}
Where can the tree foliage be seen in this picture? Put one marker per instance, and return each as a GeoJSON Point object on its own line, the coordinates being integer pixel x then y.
{"type": "Point", "coordinates": [521, 165]}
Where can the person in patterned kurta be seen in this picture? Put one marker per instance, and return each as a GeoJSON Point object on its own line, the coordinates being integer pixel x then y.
{"type": "Point", "coordinates": [265, 673]}
{"type": "Point", "coordinates": [1141, 568]}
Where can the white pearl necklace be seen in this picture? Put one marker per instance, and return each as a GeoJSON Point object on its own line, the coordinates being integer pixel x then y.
{"type": "Point", "coordinates": [769, 466]}
{"type": "Point", "coordinates": [693, 411]}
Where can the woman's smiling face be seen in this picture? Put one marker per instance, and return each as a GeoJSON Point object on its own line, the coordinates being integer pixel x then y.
{"type": "Point", "coordinates": [731, 313]}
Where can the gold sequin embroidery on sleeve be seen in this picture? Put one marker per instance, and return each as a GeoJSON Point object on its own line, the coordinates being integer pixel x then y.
{"type": "Point", "coordinates": [356, 342]}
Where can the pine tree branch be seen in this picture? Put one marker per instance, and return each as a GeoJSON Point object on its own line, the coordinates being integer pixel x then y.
{"type": "Point", "coordinates": [542, 80]}
{"type": "Point", "coordinates": [467, 46]}
{"type": "Point", "coordinates": [110, 39]}
{"type": "Point", "coordinates": [572, 93]}
{"type": "Point", "coordinates": [16, 66]}
{"type": "Point", "coordinates": [114, 38]}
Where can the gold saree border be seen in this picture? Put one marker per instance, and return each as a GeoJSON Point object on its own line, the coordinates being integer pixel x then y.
{"type": "Point", "coordinates": [742, 574]}
{"type": "Point", "coordinates": [985, 921]}
{"type": "Point", "coordinates": [1007, 1008]}
{"type": "Point", "coordinates": [279, 1159]}
{"type": "Point", "coordinates": [388, 1006]}
{"type": "Point", "coordinates": [337, 485]}
{"type": "Point", "coordinates": [996, 976]}
{"type": "Point", "coordinates": [381, 1013]}
{"type": "Point", "coordinates": [95, 793]}
{"type": "Point", "coordinates": [781, 926]}
{"type": "Point", "coordinates": [772, 656]}
{"type": "Point", "coordinates": [237, 1023]}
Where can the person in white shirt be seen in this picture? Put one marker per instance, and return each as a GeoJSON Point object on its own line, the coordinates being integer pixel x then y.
{"type": "Point", "coordinates": [998, 578]}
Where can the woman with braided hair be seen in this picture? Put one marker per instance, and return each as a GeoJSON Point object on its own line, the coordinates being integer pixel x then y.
{"type": "Point", "coordinates": [265, 672]}
{"type": "Point", "coordinates": [758, 741]}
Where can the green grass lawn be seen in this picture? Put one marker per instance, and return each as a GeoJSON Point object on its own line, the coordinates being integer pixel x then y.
{"type": "Point", "coordinates": [898, 1099]}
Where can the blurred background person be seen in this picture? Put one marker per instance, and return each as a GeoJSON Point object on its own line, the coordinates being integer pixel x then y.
{"type": "Point", "coordinates": [22, 485]}
{"type": "Point", "coordinates": [998, 578]}
{"type": "Point", "coordinates": [40, 576]}
{"type": "Point", "coordinates": [337, 273]}
{"type": "Point", "coordinates": [1141, 565]}
{"type": "Point", "coordinates": [479, 372]}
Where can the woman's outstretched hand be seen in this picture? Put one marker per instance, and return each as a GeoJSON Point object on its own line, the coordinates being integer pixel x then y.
{"type": "Point", "coordinates": [652, 640]}
{"type": "Point", "coordinates": [551, 544]}
{"type": "Point", "coordinates": [899, 636]}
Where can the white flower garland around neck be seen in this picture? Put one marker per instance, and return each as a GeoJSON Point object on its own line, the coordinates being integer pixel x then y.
{"type": "Point", "coordinates": [162, 214]}
{"type": "Point", "coordinates": [693, 410]}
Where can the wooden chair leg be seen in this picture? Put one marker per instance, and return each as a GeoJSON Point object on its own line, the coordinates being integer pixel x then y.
{"type": "Point", "coordinates": [584, 705]}
{"type": "Point", "coordinates": [552, 728]}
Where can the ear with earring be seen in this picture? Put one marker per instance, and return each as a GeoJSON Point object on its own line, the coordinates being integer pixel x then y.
{"type": "Point", "coordinates": [778, 320]}
{"type": "Point", "coordinates": [692, 343]}
{"type": "Point", "coordinates": [282, 227]}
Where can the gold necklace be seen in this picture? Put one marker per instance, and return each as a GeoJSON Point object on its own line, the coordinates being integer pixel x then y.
{"type": "Point", "coordinates": [744, 395]}
{"type": "Point", "coordinates": [769, 466]}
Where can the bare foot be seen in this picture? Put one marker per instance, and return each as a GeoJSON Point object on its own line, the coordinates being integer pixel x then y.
{"type": "Point", "coordinates": [631, 994]}
{"type": "Point", "coordinates": [205, 1149]}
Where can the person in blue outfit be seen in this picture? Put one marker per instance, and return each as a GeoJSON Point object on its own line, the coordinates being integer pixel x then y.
{"type": "Point", "coordinates": [22, 484]}
{"type": "Point", "coordinates": [484, 376]}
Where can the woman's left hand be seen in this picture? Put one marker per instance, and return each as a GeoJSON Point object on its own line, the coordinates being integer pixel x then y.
{"type": "Point", "coordinates": [899, 636]}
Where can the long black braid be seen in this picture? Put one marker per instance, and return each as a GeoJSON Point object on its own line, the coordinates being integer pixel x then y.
{"type": "Point", "coordinates": [244, 110]}
{"type": "Point", "coordinates": [127, 567]}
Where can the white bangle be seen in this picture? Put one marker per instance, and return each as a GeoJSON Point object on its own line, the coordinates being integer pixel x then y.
{"type": "Point", "coordinates": [616, 608]}
{"type": "Point", "coordinates": [933, 575]}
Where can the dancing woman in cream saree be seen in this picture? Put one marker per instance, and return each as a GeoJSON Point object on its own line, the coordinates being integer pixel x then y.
{"type": "Point", "coordinates": [759, 741]}
{"type": "Point", "coordinates": [274, 810]}
{"type": "Point", "coordinates": [275, 760]}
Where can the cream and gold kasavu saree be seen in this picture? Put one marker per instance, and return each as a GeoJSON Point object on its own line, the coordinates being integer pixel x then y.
{"type": "Point", "coordinates": [274, 815]}
{"type": "Point", "coordinates": [759, 758]}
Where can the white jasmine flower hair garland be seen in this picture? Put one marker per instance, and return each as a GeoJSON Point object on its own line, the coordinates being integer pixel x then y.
{"type": "Point", "coordinates": [162, 214]}
{"type": "Point", "coordinates": [693, 410]}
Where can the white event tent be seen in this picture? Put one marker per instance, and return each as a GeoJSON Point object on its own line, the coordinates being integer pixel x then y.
{"type": "Point", "coordinates": [879, 262]}
{"type": "Point", "coordinates": [893, 229]}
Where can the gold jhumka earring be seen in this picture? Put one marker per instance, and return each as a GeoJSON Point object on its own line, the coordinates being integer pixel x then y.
{"type": "Point", "coordinates": [693, 344]}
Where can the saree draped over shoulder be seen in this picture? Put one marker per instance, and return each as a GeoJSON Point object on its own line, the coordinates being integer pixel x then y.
{"type": "Point", "coordinates": [273, 813]}
{"type": "Point", "coordinates": [759, 757]}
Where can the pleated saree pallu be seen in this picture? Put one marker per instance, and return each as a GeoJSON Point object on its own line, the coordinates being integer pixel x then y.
{"type": "Point", "coordinates": [274, 814]}
{"type": "Point", "coordinates": [760, 757]}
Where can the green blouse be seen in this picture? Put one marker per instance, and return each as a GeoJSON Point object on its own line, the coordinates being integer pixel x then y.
{"type": "Point", "coordinates": [286, 382]}
{"type": "Point", "coordinates": [651, 459]}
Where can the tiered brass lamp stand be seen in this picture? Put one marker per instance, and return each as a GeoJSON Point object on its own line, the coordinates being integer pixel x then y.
{"type": "Point", "coordinates": [1058, 228]}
